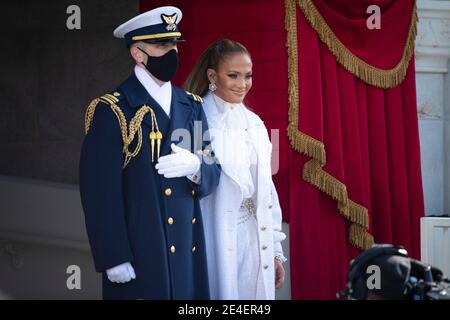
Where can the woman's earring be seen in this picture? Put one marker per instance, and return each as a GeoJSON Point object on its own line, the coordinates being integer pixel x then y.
{"type": "Point", "coordinates": [212, 87]}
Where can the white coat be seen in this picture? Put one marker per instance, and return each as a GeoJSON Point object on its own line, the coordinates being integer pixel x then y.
{"type": "Point", "coordinates": [220, 211]}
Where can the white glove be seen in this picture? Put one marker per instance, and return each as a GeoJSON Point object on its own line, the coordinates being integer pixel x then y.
{"type": "Point", "coordinates": [121, 273]}
{"type": "Point", "coordinates": [180, 163]}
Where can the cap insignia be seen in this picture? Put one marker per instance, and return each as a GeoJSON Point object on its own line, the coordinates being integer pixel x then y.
{"type": "Point", "coordinates": [170, 21]}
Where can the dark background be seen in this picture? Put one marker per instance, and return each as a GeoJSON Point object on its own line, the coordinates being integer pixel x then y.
{"type": "Point", "coordinates": [49, 74]}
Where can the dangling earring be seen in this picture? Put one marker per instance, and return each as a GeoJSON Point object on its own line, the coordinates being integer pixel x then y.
{"type": "Point", "coordinates": [212, 87]}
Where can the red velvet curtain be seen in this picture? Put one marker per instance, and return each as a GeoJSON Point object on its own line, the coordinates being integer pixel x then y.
{"type": "Point", "coordinates": [369, 134]}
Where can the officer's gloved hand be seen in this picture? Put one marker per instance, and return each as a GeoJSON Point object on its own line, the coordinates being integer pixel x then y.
{"type": "Point", "coordinates": [180, 163]}
{"type": "Point", "coordinates": [121, 273]}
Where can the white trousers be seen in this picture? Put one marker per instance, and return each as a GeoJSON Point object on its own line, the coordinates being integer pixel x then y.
{"type": "Point", "coordinates": [250, 281]}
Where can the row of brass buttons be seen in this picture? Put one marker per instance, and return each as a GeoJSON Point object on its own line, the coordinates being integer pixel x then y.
{"type": "Point", "coordinates": [168, 192]}
{"type": "Point", "coordinates": [170, 220]}
{"type": "Point", "coordinates": [173, 249]}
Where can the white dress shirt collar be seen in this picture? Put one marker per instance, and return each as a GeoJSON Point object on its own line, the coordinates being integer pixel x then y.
{"type": "Point", "coordinates": [223, 106]}
{"type": "Point", "coordinates": [161, 94]}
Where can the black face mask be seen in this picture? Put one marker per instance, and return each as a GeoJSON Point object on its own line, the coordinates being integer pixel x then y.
{"type": "Point", "coordinates": [163, 67]}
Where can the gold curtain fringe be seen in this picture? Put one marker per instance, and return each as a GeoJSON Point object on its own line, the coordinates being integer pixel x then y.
{"type": "Point", "coordinates": [307, 145]}
{"type": "Point", "coordinates": [314, 174]}
{"type": "Point", "coordinates": [356, 213]}
{"type": "Point", "coordinates": [313, 171]}
{"type": "Point", "coordinates": [134, 127]}
{"type": "Point", "coordinates": [359, 237]}
{"type": "Point", "coordinates": [381, 78]}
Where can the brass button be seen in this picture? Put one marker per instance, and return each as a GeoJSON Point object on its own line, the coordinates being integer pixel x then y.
{"type": "Point", "coordinates": [264, 247]}
{"type": "Point", "coordinates": [266, 267]}
{"type": "Point", "coordinates": [193, 249]}
{"type": "Point", "coordinates": [168, 192]}
{"type": "Point", "coordinates": [116, 94]}
{"type": "Point", "coordinates": [172, 249]}
{"type": "Point", "coordinates": [193, 192]}
{"type": "Point", "coordinates": [194, 220]}
{"type": "Point", "coordinates": [170, 220]}
{"type": "Point", "coordinates": [263, 228]}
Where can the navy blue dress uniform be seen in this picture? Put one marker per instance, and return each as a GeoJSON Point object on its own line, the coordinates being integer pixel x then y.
{"type": "Point", "coordinates": [132, 213]}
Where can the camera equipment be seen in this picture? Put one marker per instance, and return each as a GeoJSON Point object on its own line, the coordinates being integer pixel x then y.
{"type": "Point", "coordinates": [401, 277]}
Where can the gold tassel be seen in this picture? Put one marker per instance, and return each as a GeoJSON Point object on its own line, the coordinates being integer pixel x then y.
{"type": "Point", "coordinates": [158, 135]}
{"type": "Point", "coordinates": [158, 141]}
{"type": "Point", "coordinates": [152, 141]}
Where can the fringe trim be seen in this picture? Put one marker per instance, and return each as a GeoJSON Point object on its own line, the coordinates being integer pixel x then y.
{"type": "Point", "coordinates": [313, 170]}
{"type": "Point", "coordinates": [381, 78]}
{"type": "Point", "coordinates": [359, 237]}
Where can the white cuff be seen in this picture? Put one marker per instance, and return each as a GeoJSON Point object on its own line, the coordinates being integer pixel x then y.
{"type": "Point", "coordinates": [278, 251]}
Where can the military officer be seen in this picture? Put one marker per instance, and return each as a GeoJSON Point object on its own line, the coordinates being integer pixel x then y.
{"type": "Point", "coordinates": [142, 172]}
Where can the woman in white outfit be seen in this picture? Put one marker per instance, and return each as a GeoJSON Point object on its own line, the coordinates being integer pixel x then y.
{"type": "Point", "coordinates": [242, 217]}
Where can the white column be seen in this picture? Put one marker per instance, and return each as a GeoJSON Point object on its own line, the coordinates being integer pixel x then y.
{"type": "Point", "coordinates": [432, 56]}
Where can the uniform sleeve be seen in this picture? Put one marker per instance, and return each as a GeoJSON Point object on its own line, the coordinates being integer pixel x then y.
{"type": "Point", "coordinates": [278, 234]}
{"type": "Point", "coordinates": [101, 165]}
{"type": "Point", "coordinates": [208, 177]}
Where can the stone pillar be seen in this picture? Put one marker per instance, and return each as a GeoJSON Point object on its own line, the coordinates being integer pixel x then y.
{"type": "Point", "coordinates": [432, 57]}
